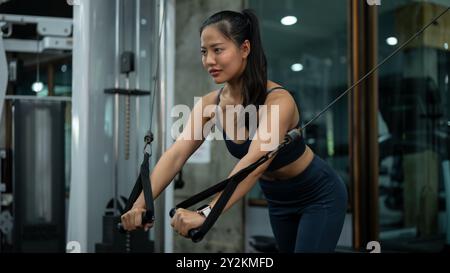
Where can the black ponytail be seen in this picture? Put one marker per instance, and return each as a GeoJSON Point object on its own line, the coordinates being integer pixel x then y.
{"type": "Point", "coordinates": [240, 27]}
{"type": "Point", "coordinates": [255, 74]}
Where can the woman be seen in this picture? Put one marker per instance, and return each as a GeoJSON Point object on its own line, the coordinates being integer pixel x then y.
{"type": "Point", "coordinates": [306, 199]}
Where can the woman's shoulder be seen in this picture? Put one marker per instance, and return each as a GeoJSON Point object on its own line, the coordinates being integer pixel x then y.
{"type": "Point", "coordinates": [277, 92]}
{"type": "Point", "coordinates": [284, 99]}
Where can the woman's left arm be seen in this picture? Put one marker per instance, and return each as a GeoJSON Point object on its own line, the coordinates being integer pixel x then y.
{"type": "Point", "coordinates": [274, 124]}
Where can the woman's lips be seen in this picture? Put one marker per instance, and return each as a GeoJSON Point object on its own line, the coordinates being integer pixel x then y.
{"type": "Point", "coordinates": [214, 73]}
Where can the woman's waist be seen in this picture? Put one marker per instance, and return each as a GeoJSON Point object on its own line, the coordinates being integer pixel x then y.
{"type": "Point", "coordinates": [315, 182]}
{"type": "Point", "coordinates": [291, 170]}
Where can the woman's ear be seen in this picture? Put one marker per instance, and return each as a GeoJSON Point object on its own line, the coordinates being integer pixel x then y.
{"type": "Point", "coordinates": [245, 49]}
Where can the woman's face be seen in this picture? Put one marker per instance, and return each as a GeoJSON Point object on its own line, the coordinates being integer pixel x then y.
{"type": "Point", "coordinates": [221, 57]}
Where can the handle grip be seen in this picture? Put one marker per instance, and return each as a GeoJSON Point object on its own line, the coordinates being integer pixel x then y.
{"type": "Point", "coordinates": [146, 218]}
{"type": "Point", "coordinates": [172, 212]}
{"type": "Point", "coordinates": [195, 234]}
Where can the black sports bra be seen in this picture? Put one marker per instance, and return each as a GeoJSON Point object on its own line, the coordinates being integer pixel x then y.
{"type": "Point", "coordinates": [239, 150]}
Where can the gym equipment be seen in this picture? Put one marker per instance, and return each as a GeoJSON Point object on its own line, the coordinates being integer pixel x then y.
{"type": "Point", "coordinates": [3, 73]}
{"type": "Point", "coordinates": [229, 185]}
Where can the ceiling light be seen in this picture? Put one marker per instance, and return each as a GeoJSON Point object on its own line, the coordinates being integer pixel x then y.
{"type": "Point", "coordinates": [37, 87]}
{"type": "Point", "coordinates": [289, 20]}
{"type": "Point", "coordinates": [297, 67]}
{"type": "Point", "coordinates": [392, 41]}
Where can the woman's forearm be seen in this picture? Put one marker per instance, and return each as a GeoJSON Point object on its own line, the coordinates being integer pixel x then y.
{"type": "Point", "coordinates": [245, 185]}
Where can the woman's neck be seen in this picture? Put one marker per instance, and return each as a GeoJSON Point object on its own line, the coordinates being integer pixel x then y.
{"type": "Point", "coordinates": [234, 90]}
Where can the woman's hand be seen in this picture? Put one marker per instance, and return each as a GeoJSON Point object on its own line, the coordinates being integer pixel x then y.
{"type": "Point", "coordinates": [133, 219]}
{"type": "Point", "coordinates": [185, 220]}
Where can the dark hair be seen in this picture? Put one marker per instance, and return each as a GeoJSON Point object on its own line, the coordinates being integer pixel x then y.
{"type": "Point", "coordinates": [239, 27]}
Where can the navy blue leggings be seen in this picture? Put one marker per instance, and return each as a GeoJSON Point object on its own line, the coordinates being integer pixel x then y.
{"type": "Point", "coordinates": [307, 212]}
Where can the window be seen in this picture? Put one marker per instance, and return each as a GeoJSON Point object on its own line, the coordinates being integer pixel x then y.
{"type": "Point", "coordinates": [414, 127]}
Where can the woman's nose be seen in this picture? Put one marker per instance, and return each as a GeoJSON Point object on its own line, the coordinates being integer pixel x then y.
{"type": "Point", "coordinates": [210, 60]}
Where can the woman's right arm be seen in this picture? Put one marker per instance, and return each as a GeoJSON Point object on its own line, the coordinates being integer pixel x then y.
{"type": "Point", "coordinates": [171, 161]}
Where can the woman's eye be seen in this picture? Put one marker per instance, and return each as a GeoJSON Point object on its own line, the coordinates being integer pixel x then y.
{"type": "Point", "coordinates": [218, 50]}
{"type": "Point", "coordinates": [203, 52]}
